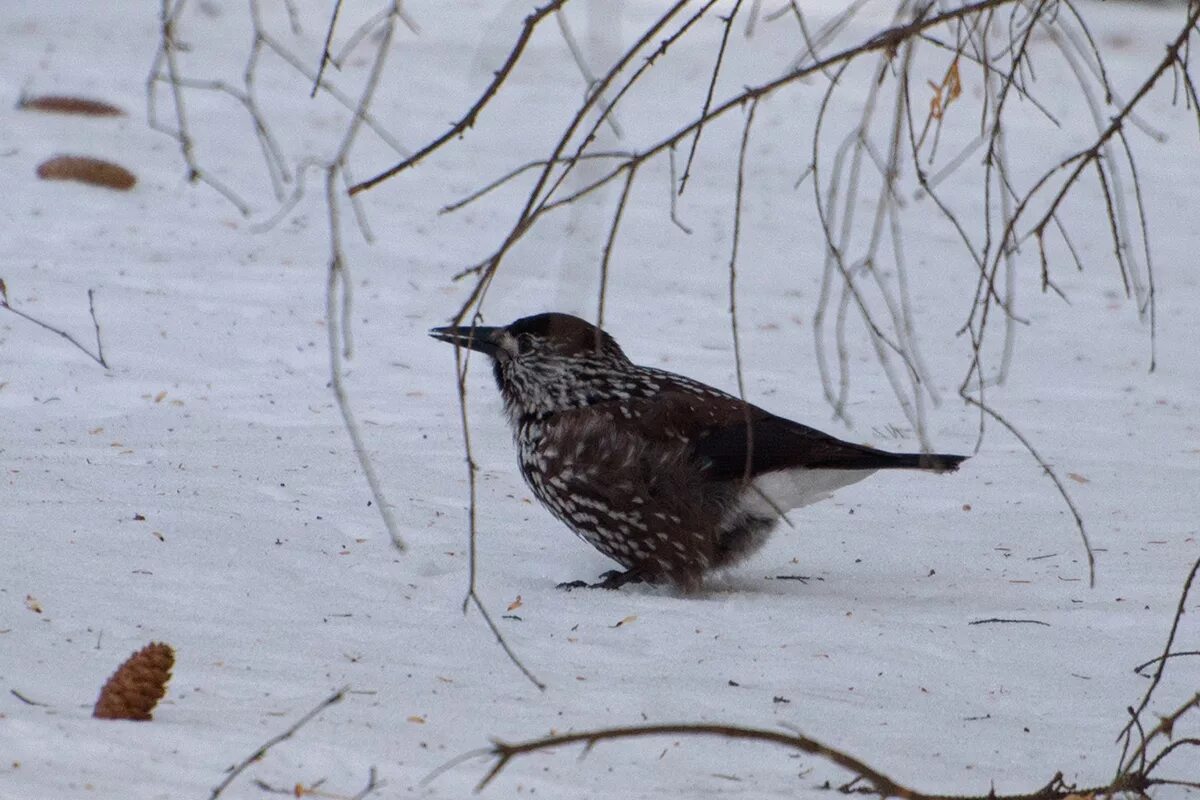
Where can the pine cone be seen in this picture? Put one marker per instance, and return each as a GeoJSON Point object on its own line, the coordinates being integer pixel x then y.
{"type": "Point", "coordinates": [137, 685]}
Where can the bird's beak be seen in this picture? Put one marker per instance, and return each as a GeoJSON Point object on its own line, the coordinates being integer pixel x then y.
{"type": "Point", "coordinates": [480, 338]}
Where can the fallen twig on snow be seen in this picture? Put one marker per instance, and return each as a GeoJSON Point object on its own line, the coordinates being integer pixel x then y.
{"type": "Point", "coordinates": [266, 746]}
{"type": "Point", "coordinates": [98, 356]}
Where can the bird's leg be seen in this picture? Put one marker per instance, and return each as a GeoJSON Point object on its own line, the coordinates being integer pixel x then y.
{"type": "Point", "coordinates": [613, 579]}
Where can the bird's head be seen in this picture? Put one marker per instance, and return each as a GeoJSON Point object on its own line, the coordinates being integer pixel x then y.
{"type": "Point", "coordinates": [547, 362]}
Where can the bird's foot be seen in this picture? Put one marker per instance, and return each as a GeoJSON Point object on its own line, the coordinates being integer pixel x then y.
{"type": "Point", "coordinates": [613, 579]}
{"type": "Point", "coordinates": [567, 586]}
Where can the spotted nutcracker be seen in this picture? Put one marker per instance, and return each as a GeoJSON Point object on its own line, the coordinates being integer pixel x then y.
{"type": "Point", "coordinates": [668, 477]}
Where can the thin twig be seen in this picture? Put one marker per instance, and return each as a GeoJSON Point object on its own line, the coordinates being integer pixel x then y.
{"type": "Point", "coordinates": [291, 731]}
{"type": "Point", "coordinates": [538, 203]}
{"type": "Point", "coordinates": [338, 289]}
{"type": "Point", "coordinates": [358, 36]}
{"type": "Point", "coordinates": [468, 120]}
{"type": "Point", "coordinates": [361, 113]}
{"type": "Point", "coordinates": [671, 184]}
{"type": "Point", "coordinates": [733, 319]}
{"type": "Point", "coordinates": [1175, 745]}
{"type": "Point", "coordinates": [461, 361]}
{"type": "Point", "coordinates": [96, 328]}
{"type": "Point", "coordinates": [167, 70]}
{"type": "Point", "coordinates": [26, 700]}
{"type": "Point", "coordinates": [518, 171]}
{"type": "Point", "coordinates": [335, 325]}
{"type": "Point", "coordinates": [504, 752]}
{"type": "Point", "coordinates": [589, 77]}
{"type": "Point", "coordinates": [373, 785]}
{"type": "Point", "coordinates": [1165, 727]}
{"type": "Point", "coordinates": [712, 85]}
{"type": "Point", "coordinates": [168, 18]}
{"type": "Point", "coordinates": [98, 356]}
{"type": "Point", "coordinates": [1085, 158]}
{"type": "Point", "coordinates": [1047, 469]}
{"type": "Point", "coordinates": [607, 255]}
{"type": "Point", "coordinates": [1138, 669]}
{"type": "Point", "coordinates": [1162, 659]}
{"type": "Point", "coordinates": [326, 56]}
{"type": "Point", "coordinates": [500, 640]}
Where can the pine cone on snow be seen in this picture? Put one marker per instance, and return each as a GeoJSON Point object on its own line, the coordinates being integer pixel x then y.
{"type": "Point", "coordinates": [137, 685]}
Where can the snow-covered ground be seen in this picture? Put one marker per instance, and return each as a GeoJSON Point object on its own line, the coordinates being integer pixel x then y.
{"type": "Point", "coordinates": [202, 492]}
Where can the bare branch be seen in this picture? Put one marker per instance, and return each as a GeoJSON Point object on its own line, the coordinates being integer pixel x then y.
{"type": "Point", "coordinates": [461, 360]}
{"type": "Point", "coordinates": [500, 640]}
{"type": "Point", "coordinates": [168, 17]}
{"type": "Point", "coordinates": [586, 71]}
{"type": "Point", "coordinates": [1162, 660]}
{"type": "Point", "coordinates": [671, 184]}
{"type": "Point", "coordinates": [265, 747]}
{"type": "Point", "coordinates": [336, 328]}
{"type": "Point", "coordinates": [325, 54]}
{"type": "Point", "coordinates": [504, 752]}
{"type": "Point", "coordinates": [339, 287]}
{"type": "Point", "coordinates": [1084, 158]}
{"type": "Point", "coordinates": [1138, 669]}
{"type": "Point", "coordinates": [712, 85]}
{"type": "Point", "coordinates": [877, 782]}
{"type": "Point", "coordinates": [98, 356]}
{"type": "Point", "coordinates": [608, 245]}
{"type": "Point", "coordinates": [1050, 473]}
{"type": "Point", "coordinates": [517, 172]}
{"type": "Point", "coordinates": [1165, 727]}
{"type": "Point", "coordinates": [733, 318]}
{"type": "Point", "coordinates": [468, 119]}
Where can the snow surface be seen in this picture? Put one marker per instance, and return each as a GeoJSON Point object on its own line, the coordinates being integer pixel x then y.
{"type": "Point", "coordinates": [260, 561]}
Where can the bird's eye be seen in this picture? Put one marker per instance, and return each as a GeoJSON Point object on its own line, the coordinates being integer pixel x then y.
{"type": "Point", "coordinates": [524, 344]}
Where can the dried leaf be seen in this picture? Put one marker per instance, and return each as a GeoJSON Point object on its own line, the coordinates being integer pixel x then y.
{"type": "Point", "coordinates": [87, 170]}
{"type": "Point", "coordinates": [1077, 477]}
{"type": "Point", "coordinates": [953, 83]}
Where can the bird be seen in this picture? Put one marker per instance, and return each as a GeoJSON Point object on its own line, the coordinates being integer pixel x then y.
{"type": "Point", "coordinates": [669, 477]}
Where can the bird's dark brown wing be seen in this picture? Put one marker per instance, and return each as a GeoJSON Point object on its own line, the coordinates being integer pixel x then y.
{"type": "Point", "coordinates": [776, 443]}
{"type": "Point", "coordinates": [719, 433]}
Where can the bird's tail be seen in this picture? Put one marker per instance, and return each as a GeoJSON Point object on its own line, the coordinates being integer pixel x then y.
{"type": "Point", "coordinates": [934, 462]}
